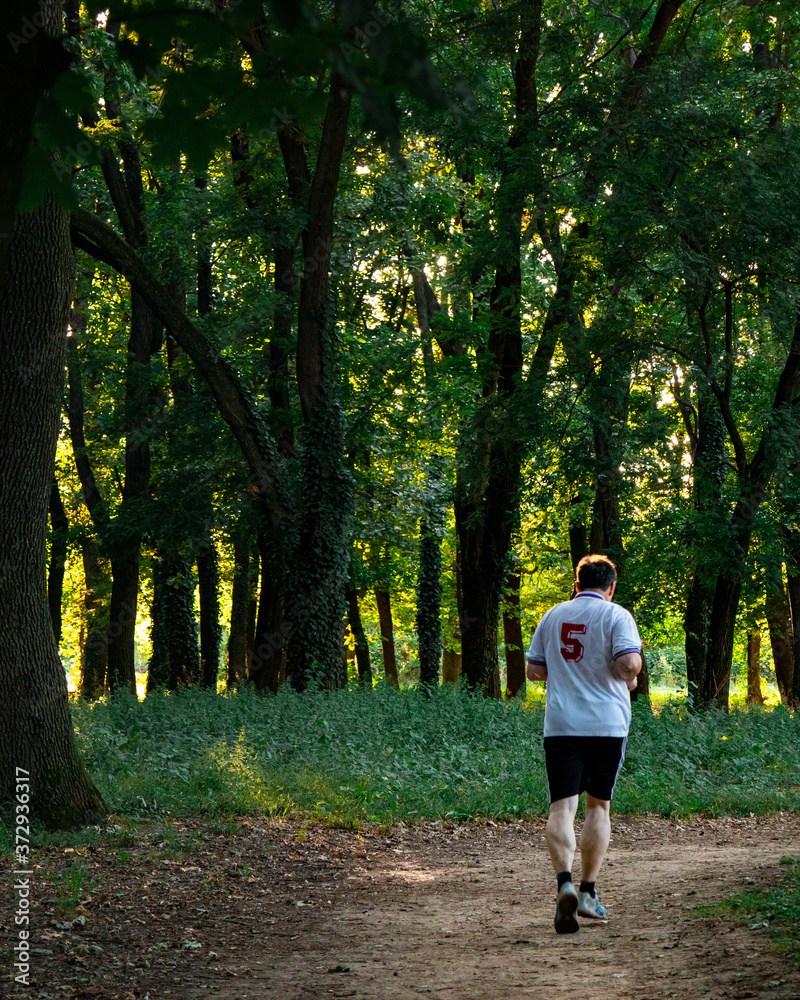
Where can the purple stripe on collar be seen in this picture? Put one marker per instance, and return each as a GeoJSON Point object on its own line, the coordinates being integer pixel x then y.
{"type": "Point", "coordinates": [588, 593]}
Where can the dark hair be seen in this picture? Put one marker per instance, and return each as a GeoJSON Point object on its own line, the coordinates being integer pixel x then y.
{"type": "Point", "coordinates": [595, 573]}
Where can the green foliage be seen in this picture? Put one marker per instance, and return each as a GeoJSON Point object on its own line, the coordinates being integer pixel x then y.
{"type": "Point", "coordinates": [383, 756]}
{"type": "Point", "coordinates": [72, 885]}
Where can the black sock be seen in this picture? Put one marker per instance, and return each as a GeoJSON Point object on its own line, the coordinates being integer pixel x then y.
{"type": "Point", "coordinates": [563, 877]}
{"type": "Point", "coordinates": [587, 887]}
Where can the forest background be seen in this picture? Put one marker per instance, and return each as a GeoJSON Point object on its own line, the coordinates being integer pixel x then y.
{"type": "Point", "coordinates": [374, 321]}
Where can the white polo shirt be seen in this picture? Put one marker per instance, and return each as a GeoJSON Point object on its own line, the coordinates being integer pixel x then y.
{"type": "Point", "coordinates": [577, 641]}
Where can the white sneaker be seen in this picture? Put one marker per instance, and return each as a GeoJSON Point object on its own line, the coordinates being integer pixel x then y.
{"type": "Point", "coordinates": [566, 921]}
{"type": "Point", "coordinates": [590, 906]}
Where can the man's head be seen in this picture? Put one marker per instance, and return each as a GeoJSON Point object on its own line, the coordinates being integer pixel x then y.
{"type": "Point", "coordinates": [596, 573]}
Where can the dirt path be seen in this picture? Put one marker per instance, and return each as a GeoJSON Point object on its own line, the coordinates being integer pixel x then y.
{"type": "Point", "coordinates": [298, 911]}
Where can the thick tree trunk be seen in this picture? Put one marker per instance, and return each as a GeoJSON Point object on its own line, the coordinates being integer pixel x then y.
{"type": "Point", "coordinates": [240, 597]}
{"type": "Point", "coordinates": [793, 586]}
{"type": "Point", "coordinates": [36, 737]}
{"type": "Point", "coordinates": [724, 607]}
{"type": "Point", "coordinates": [59, 526]}
{"type": "Point", "coordinates": [384, 603]}
{"type": "Point", "coordinates": [429, 602]}
{"type": "Point", "coordinates": [484, 548]}
{"type": "Point", "coordinates": [210, 630]}
{"type": "Point", "coordinates": [270, 634]}
{"type": "Point", "coordinates": [452, 665]}
{"type": "Point", "coordinates": [781, 639]}
{"type": "Point", "coordinates": [709, 470]}
{"type": "Point", "coordinates": [362, 646]}
{"type": "Point", "coordinates": [512, 635]}
{"type": "Point", "coordinates": [31, 63]}
{"type": "Point", "coordinates": [696, 620]}
{"type": "Point", "coordinates": [577, 533]}
{"type": "Point", "coordinates": [754, 696]}
{"type": "Point", "coordinates": [315, 588]}
{"type": "Point", "coordinates": [121, 672]}
{"type": "Point", "coordinates": [94, 654]}
{"type": "Point", "coordinates": [175, 657]}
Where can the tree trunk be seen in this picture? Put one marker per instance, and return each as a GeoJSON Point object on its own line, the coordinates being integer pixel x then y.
{"type": "Point", "coordinates": [121, 672]}
{"type": "Point", "coordinates": [577, 532]}
{"type": "Point", "coordinates": [793, 586]}
{"type": "Point", "coordinates": [429, 601]}
{"type": "Point", "coordinates": [315, 588]}
{"type": "Point", "coordinates": [512, 635]}
{"type": "Point", "coordinates": [254, 578]}
{"type": "Point", "coordinates": [36, 738]}
{"type": "Point", "coordinates": [708, 465]}
{"type": "Point", "coordinates": [210, 631]}
{"type": "Point", "coordinates": [94, 654]}
{"type": "Point", "coordinates": [754, 696]}
{"type": "Point", "coordinates": [781, 639]}
{"type": "Point", "coordinates": [59, 526]}
{"type": "Point", "coordinates": [31, 63]}
{"type": "Point", "coordinates": [384, 603]}
{"type": "Point", "coordinates": [270, 634]}
{"type": "Point", "coordinates": [696, 620]}
{"type": "Point", "coordinates": [240, 596]}
{"type": "Point", "coordinates": [362, 646]}
{"type": "Point", "coordinates": [483, 552]}
{"type": "Point", "coordinates": [175, 657]}
{"type": "Point", "coordinates": [452, 667]}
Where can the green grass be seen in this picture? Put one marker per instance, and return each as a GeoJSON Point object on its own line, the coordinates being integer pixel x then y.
{"type": "Point", "coordinates": [384, 756]}
{"type": "Point", "coordinates": [777, 908]}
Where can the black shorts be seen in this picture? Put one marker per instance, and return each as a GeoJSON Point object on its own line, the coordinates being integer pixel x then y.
{"type": "Point", "coordinates": [578, 764]}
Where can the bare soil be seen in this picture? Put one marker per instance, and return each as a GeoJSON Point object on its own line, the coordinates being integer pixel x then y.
{"type": "Point", "coordinates": [290, 910]}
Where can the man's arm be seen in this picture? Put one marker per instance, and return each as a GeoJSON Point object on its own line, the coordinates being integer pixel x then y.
{"type": "Point", "coordinates": [626, 668]}
{"type": "Point", "coordinates": [537, 671]}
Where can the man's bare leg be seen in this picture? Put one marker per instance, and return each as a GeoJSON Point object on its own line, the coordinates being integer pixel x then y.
{"type": "Point", "coordinates": [594, 844]}
{"type": "Point", "coordinates": [560, 836]}
{"type": "Point", "coordinates": [595, 836]}
{"type": "Point", "coordinates": [560, 833]}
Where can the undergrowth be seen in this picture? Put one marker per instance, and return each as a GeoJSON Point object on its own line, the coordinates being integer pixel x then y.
{"type": "Point", "coordinates": [777, 908]}
{"type": "Point", "coordinates": [383, 756]}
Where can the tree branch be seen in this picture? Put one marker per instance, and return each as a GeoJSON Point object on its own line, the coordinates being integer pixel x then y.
{"type": "Point", "coordinates": [236, 407]}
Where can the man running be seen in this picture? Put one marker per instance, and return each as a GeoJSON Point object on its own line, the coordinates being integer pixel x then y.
{"type": "Point", "coordinates": [589, 652]}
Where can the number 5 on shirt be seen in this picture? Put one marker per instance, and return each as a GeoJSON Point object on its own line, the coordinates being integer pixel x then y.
{"type": "Point", "coordinates": [572, 648]}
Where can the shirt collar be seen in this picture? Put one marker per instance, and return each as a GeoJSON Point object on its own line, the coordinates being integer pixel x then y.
{"type": "Point", "coordinates": [589, 593]}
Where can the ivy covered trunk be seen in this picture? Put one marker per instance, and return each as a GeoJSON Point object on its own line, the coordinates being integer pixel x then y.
{"type": "Point", "coordinates": [35, 727]}
{"type": "Point", "coordinates": [175, 659]}
{"type": "Point", "coordinates": [315, 603]}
